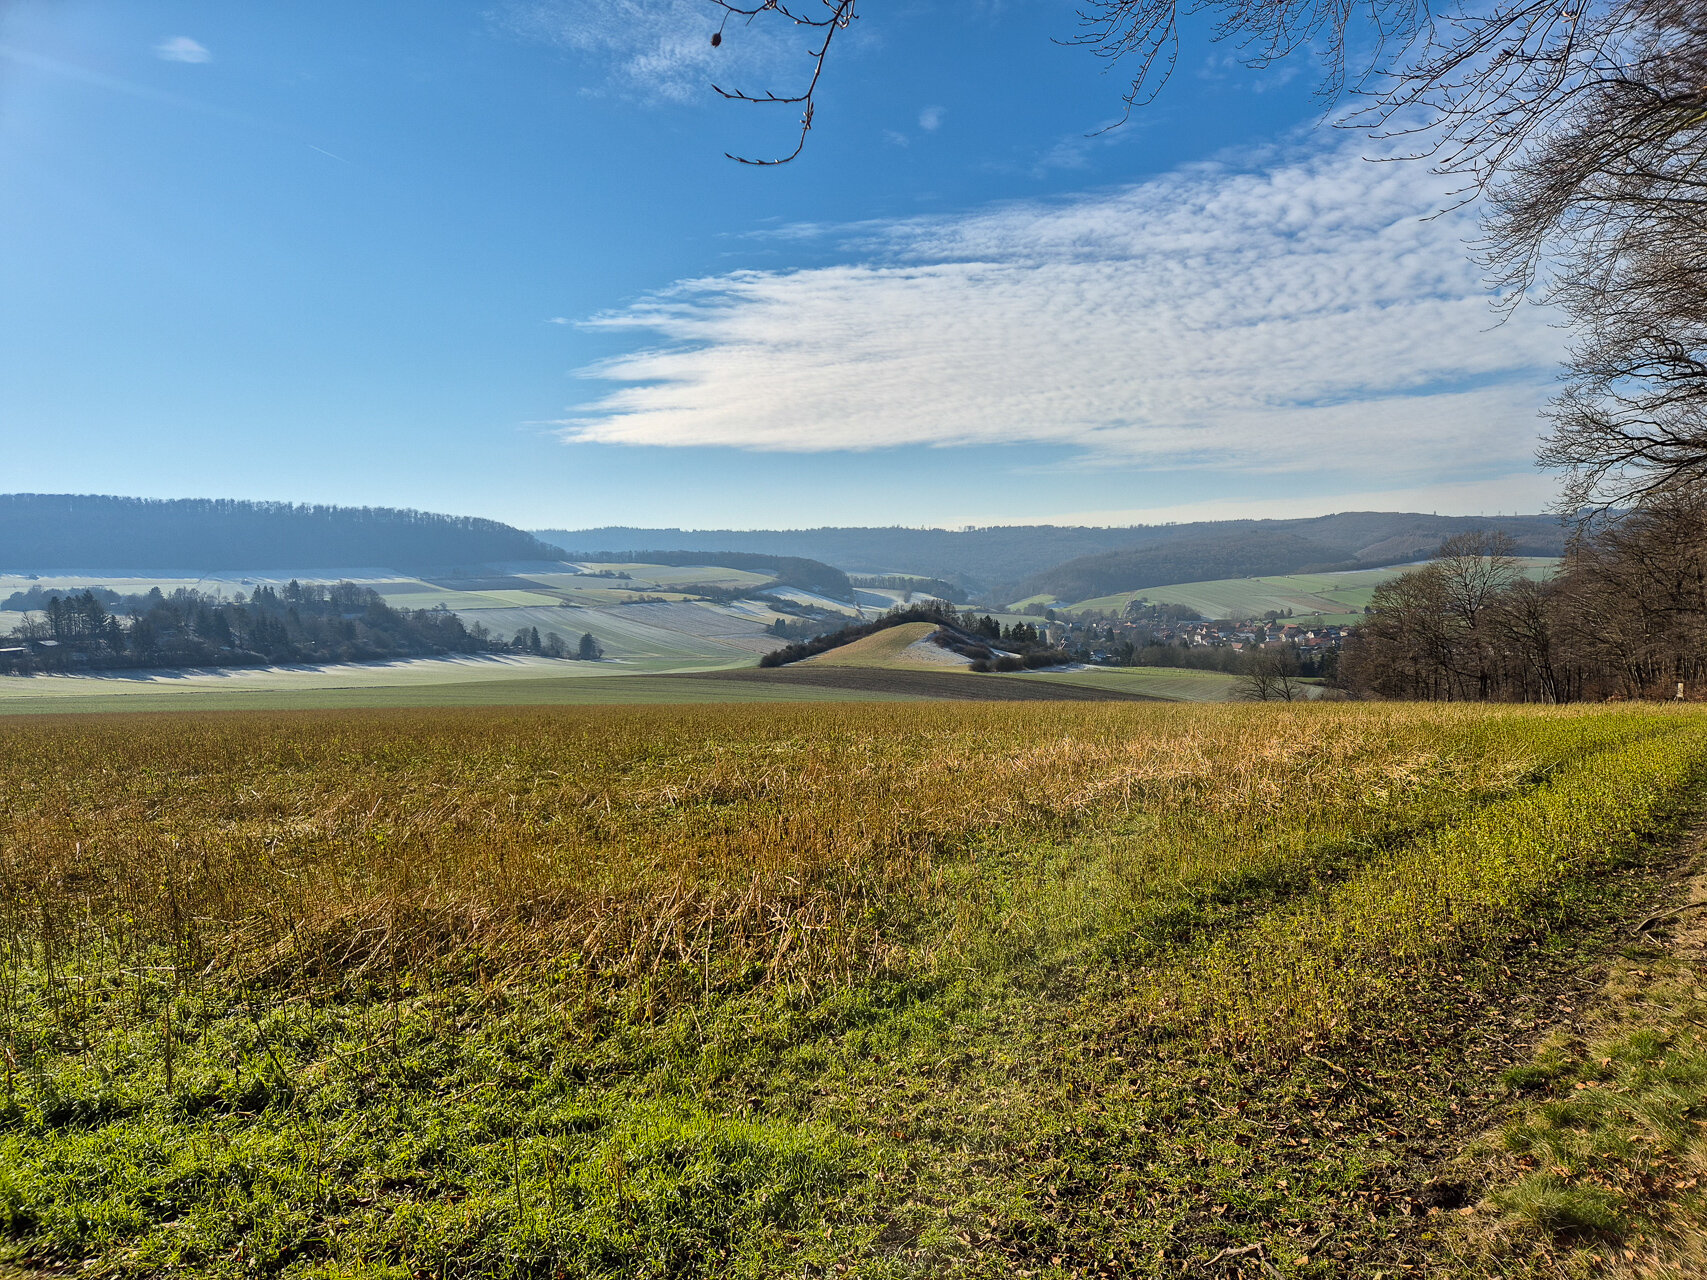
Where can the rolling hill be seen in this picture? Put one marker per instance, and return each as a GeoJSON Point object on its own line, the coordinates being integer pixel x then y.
{"type": "Point", "coordinates": [1013, 561]}
{"type": "Point", "coordinates": [47, 532]}
{"type": "Point", "coordinates": [887, 648]}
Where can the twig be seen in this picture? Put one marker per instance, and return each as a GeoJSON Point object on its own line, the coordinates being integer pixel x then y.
{"type": "Point", "coordinates": [1661, 915]}
{"type": "Point", "coordinates": [1240, 1252]}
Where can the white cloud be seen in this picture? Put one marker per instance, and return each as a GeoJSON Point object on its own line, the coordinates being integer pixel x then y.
{"type": "Point", "coordinates": [182, 49]}
{"type": "Point", "coordinates": [1295, 316]}
{"type": "Point", "coordinates": [930, 119]}
{"type": "Point", "coordinates": [656, 49]}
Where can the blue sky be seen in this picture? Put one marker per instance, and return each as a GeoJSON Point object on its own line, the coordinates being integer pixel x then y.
{"type": "Point", "coordinates": [489, 259]}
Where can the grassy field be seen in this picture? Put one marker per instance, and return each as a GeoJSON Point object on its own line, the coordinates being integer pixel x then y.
{"type": "Point", "coordinates": [1327, 597]}
{"type": "Point", "coordinates": [1053, 990]}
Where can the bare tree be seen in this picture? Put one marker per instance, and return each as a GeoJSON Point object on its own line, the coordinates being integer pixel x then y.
{"type": "Point", "coordinates": [1478, 85]}
{"type": "Point", "coordinates": [1633, 598]}
{"type": "Point", "coordinates": [1476, 569]}
{"type": "Point", "coordinates": [1270, 676]}
{"type": "Point", "coordinates": [1616, 194]}
{"type": "Point", "coordinates": [1528, 632]}
{"type": "Point", "coordinates": [1403, 649]}
{"type": "Point", "coordinates": [1625, 616]}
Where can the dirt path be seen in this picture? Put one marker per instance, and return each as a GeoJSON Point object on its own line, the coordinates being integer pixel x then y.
{"type": "Point", "coordinates": [1599, 1167]}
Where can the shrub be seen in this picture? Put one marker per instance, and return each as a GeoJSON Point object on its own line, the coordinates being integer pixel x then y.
{"type": "Point", "coordinates": [1046, 658]}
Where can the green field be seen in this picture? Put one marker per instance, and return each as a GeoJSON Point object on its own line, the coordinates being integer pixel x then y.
{"type": "Point", "coordinates": [1326, 597]}
{"type": "Point", "coordinates": [889, 991]}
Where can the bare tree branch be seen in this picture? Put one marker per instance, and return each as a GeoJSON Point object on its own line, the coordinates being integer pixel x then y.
{"type": "Point", "coordinates": [835, 17]}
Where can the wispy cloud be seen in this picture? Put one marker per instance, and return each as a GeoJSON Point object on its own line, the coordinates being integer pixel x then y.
{"type": "Point", "coordinates": [182, 49]}
{"type": "Point", "coordinates": [1294, 315]}
{"type": "Point", "coordinates": [654, 49]}
{"type": "Point", "coordinates": [930, 119]}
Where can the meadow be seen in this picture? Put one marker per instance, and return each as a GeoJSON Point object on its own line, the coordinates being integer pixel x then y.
{"type": "Point", "coordinates": [879, 990]}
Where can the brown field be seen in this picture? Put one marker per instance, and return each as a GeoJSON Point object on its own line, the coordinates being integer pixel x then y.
{"type": "Point", "coordinates": [954, 685]}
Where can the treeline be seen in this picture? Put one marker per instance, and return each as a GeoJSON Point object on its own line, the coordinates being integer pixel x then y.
{"type": "Point", "coordinates": [1023, 645]}
{"type": "Point", "coordinates": [552, 645]}
{"type": "Point", "coordinates": [37, 598]}
{"type": "Point", "coordinates": [40, 532]}
{"type": "Point", "coordinates": [1625, 617]}
{"type": "Point", "coordinates": [187, 628]}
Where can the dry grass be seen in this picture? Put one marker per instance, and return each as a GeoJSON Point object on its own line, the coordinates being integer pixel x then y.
{"type": "Point", "coordinates": [801, 845]}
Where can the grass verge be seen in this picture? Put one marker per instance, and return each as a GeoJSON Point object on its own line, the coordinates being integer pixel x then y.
{"type": "Point", "coordinates": [1600, 1168]}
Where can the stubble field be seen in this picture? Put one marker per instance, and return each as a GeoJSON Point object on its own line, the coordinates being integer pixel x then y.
{"type": "Point", "coordinates": [882, 990]}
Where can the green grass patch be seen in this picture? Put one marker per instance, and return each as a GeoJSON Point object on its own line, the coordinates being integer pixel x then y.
{"type": "Point", "coordinates": [1603, 1165]}
{"type": "Point", "coordinates": [1180, 684]}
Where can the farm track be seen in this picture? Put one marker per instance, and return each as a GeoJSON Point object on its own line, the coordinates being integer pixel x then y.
{"type": "Point", "coordinates": [953, 685]}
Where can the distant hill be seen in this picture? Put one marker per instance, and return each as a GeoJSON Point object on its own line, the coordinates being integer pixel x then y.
{"type": "Point", "coordinates": [1231, 555]}
{"type": "Point", "coordinates": [42, 532]}
{"type": "Point", "coordinates": [1010, 561]}
{"type": "Point", "coordinates": [973, 558]}
{"type": "Point", "coordinates": [1248, 549]}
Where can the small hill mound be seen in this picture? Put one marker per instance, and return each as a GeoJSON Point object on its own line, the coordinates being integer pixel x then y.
{"type": "Point", "coordinates": [932, 615]}
{"type": "Point", "coordinates": [888, 648]}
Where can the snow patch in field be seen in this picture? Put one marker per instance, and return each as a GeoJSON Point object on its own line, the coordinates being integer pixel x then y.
{"type": "Point", "coordinates": [928, 650]}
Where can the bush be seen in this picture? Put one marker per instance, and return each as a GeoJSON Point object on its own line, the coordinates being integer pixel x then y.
{"type": "Point", "coordinates": [1046, 658]}
{"type": "Point", "coordinates": [1007, 662]}
{"type": "Point", "coordinates": [980, 665]}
